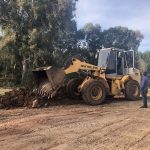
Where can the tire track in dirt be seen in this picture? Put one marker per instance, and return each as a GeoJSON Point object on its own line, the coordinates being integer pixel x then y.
{"type": "Point", "coordinates": [78, 119]}
{"type": "Point", "coordinates": [124, 145]}
{"type": "Point", "coordinates": [138, 141]}
{"type": "Point", "coordinates": [25, 125]}
{"type": "Point", "coordinates": [121, 128]}
{"type": "Point", "coordinates": [88, 120]}
{"type": "Point", "coordinates": [75, 127]}
{"type": "Point", "coordinates": [28, 119]}
{"type": "Point", "coordinates": [89, 133]}
{"type": "Point", "coordinates": [40, 117]}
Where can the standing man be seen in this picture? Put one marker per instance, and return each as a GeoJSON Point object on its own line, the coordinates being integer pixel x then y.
{"type": "Point", "coordinates": [144, 89]}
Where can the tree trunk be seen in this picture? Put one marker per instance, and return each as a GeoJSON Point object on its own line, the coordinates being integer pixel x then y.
{"type": "Point", "coordinates": [24, 69]}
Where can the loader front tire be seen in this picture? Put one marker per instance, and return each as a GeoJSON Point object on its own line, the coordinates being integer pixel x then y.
{"type": "Point", "coordinates": [94, 92]}
{"type": "Point", "coordinates": [132, 90]}
{"type": "Point", "coordinates": [72, 88]}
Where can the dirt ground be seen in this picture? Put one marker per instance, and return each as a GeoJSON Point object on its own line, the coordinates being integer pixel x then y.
{"type": "Point", "coordinates": [116, 125]}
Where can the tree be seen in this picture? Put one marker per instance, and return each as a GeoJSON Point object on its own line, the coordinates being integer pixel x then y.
{"type": "Point", "coordinates": [122, 37]}
{"type": "Point", "coordinates": [44, 31]}
{"type": "Point", "coordinates": [145, 57]}
{"type": "Point", "coordinates": [142, 66]}
{"type": "Point", "coordinates": [90, 37]}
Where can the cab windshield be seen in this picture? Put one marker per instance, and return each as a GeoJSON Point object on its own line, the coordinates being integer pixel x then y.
{"type": "Point", "coordinates": [103, 58]}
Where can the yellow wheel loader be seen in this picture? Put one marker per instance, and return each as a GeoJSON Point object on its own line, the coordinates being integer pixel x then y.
{"type": "Point", "coordinates": [114, 75]}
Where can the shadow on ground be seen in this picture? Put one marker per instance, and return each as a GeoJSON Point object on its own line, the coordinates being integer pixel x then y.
{"type": "Point", "coordinates": [68, 101]}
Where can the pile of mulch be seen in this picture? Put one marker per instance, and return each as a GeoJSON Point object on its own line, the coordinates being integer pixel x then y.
{"type": "Point", "coordinates": [24, 97]}
{"type": "Point", "coordinates": [17, 98]}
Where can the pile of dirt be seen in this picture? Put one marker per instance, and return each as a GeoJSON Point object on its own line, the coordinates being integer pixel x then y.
{"type": "Point", "coordinates": [24, 97]}
{"type": "Point", "coordinates": [17, 98]}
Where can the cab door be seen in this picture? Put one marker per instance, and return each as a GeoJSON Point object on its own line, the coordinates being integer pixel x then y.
{"type": "Point", "coordinates": [112, 63]}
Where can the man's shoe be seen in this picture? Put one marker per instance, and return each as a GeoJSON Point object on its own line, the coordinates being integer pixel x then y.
{"type": "Point", "coordinates": [143, 107]}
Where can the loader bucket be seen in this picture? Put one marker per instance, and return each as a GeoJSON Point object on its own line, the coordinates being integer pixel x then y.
{"type": "Point", "coordinates": [48, 80]}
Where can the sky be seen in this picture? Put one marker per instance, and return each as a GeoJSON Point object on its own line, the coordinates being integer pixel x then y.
{"type": "Point", "coordinates": [134, 14]}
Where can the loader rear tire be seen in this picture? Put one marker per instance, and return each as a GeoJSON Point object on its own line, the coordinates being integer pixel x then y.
{"type": "Point", "coordinates": [132, 90]}
{"type": "Point", "coordinates": [94, 92]}
{"type": "Point", "coordinates": [72, 88]}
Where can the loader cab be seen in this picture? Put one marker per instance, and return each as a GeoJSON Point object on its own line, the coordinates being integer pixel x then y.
{"type": "Point", "coordinates": [116, 61]}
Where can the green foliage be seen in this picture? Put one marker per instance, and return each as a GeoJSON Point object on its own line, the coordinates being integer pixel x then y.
{"type": "Point", "coordinates": [92, 38]}
{"type": "Point", "coordinates": [142, 65]}
{"type": "Point", "coordinates": [92, 35]}
{"type": "Point", "coordinates": [119, 37]}
{"type": "Point", "coordinates": [145, 57]}
{"type": "Point", "coordinates": [44, 32]}
{"type": "Point", "coordinates": [122, 37]}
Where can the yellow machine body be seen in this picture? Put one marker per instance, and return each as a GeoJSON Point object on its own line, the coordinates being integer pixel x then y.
{"type": "Point", "coordinates": [50, 79]}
